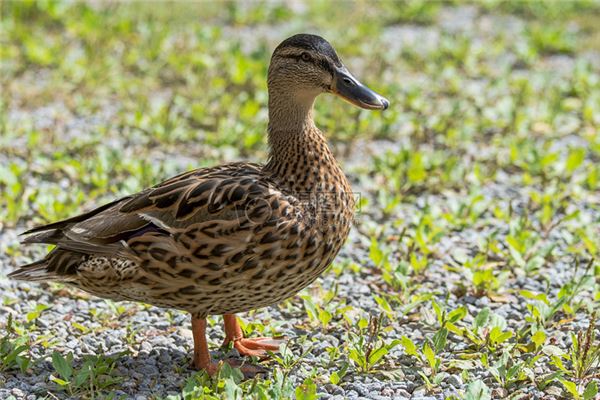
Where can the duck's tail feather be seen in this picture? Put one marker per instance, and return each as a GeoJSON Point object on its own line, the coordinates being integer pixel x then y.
{"type": "Point", "coordinates": [36, 271]}
{"type": "Point", "coordinates": [58, 265]}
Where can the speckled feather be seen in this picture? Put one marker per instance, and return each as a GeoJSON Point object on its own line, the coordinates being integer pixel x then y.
{"type": "Point", "coordinates": [217, 240]}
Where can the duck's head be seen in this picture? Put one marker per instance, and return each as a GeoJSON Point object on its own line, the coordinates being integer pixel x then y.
{"type": "Point", "coordinates": [305, 66]}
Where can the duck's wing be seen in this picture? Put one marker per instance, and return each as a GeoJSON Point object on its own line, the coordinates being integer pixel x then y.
{"type": "Point", "coordinates": [166, 209]}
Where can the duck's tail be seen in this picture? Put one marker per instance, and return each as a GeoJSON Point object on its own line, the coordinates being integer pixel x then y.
{"type": "Point", "coordinates": [36, 271]}
{"type": "Point", "coordinates": [58, 265]}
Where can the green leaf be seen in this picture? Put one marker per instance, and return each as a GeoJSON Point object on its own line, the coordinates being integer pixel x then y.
{"type": "Point", "coordinates": [513, 247]}
{"type": "Point", "coordinates": [377, 355]}
{"type": "Point", "coordinates": [310, 307]}
{"type": "Point", "coordinates": [416, 169]}
{"type": "Point", "coordinates": [439, 340]}
{"type": "Point", "coordinates": [538, 338]}
{"type": "Point", "coordinates": [497, 336]}
{"type": "Point", "coordinates": [409, 347]}
{"type": "Point", "coordinates": [481, 319]}
{"type": "Point", "coordinates": [231, 389]}
{"type": "Point", "coordinates": [82, 328]}
{"type": "Point", "coordinates": [324, 317]}
{"type": "Point", "coordinates": [22, 362]}
{"type": "Point", "coordinates": [334, 378]}
{"type": "Point", "coordinates": [438, 311]}
{"type": "Point", "coordinates": [534, 296]}
{"type": "Point", "coordinates": [455, 329]}
{"type": "Point", "coordinates": [58, 381]}
{"type": "Point", "coordinates": [571, 388]}
{"type": "Point", "coordinates": [477, 390]}
{"type": "Point", "coordinates": [36, 312]}
{"type": "Point", "coordinates": [591, 390]}
{"type": "Point", "coordinates": [557, 362]}
{"type": "Point", "coordinates": [307, 391]}
{"type": "Point", "coordinates": [438, 378]}
{"type": "Point", "coordinates": [375, 253]}
{"type": "Point", "coordinates": [61, 366]}
{"type": "Point", "coordinates": [457, 315]}
{"type": "Point", "coordinates": [575, 159]}
{"type": "Point", "coordinates": [363, 323]}
{"type": "Point", "coordinates": [357, 357]}
{"type": "Point", "coordinates": [429, 355]}
{"type": "Point", "coordinates": [229, 372]}
{"type": "Point", "coordinates": [515, 244]}
{"type": "Point", "coordinates": [384, 305]}
{"type": "Point", "coordinates": [83, 375]}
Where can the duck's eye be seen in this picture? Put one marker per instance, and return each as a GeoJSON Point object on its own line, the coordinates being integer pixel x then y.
{"type": "Point", "coordinates": [305, 57]}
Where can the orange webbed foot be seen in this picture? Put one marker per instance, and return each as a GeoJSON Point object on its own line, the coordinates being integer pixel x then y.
{"type": "Point", "coordinates": [250, 347]}
{"type": "Point", "coordinates": [257, 347]}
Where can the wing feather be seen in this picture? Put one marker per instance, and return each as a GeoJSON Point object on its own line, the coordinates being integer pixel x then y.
{"type": "Point", "coordinates": [172, 206]}
{"type": "Point", "coordinates": [174, 219]}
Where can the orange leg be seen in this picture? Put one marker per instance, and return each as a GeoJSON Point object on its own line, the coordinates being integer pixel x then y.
{"type": "Point", "coordinates": [247, 346]}
{"type": "Point", "coordinates": [201, 354]}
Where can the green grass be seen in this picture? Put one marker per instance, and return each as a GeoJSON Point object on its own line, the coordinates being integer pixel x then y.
{"type": "Point", "coordinates": [102, 101]}
{"type": "Point", "coordinates": [13, 349]}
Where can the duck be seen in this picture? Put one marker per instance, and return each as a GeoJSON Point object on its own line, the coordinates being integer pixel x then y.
{"type": "Point", "coordinates": [227, 239]}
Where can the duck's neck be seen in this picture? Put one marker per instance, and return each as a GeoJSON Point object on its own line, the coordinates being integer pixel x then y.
{"type": "Point", "coordinates": [290, 114]}
{"type": "Point", "coordinates": [299, 154]}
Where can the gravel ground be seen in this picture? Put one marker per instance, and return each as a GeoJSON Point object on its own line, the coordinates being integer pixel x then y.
{"type": "Point", "coordinates": [156, 363]}
{"type": "Point", "coordinates": [153, 345]}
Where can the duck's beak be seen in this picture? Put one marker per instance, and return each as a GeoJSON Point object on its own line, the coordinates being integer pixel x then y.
{"type": "Point", "coordinates": [350, 89]}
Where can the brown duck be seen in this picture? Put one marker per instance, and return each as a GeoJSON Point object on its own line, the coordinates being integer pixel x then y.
{"type": "Point", "coordinates": [231, 238]}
